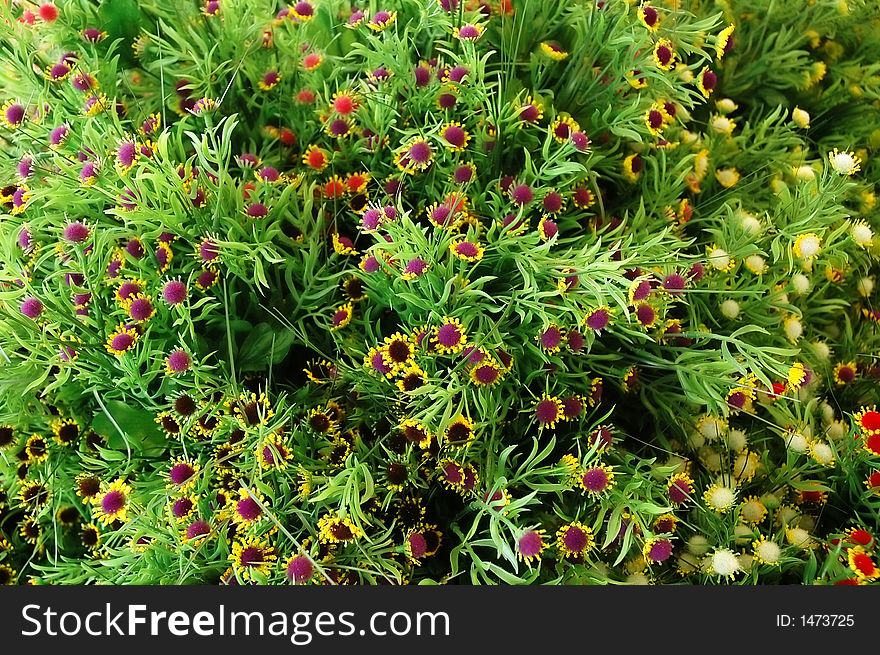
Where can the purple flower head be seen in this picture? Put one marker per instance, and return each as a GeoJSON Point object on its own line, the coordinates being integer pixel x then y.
{"type": "Point", "coordinates": [256, 210]}
{"type": "Point", "coordinates": [551, 338]}
{"type": "Point", "coordinates": [248, 509]}
{"type": "Point", "coordinates": [674, 283]}
{"type": "Point", "coordinates": [370, 264]}
{"type": "Point", "coordinates": [58, 135]}
{"type": "Point", "coordinates": [209, 251]}
{"type": "Point", "coordinates": [575, 341]}
{"type": "Point", "coordinates": [377, 363]}
{"type": "Point", "coordinates": [300, 569]}
{"type": "Point", "coordinates": [304, 10]}
{"type": "Point", "coordinates": [126, 154]}
{"type": "Point", "coordinates": [486, 374]}
{"type": "Point", "coordinates": [641, 290]}
{"type": "Point", "coordinates": [25, 167]}
{"type": "Point", "coordinates": [450, 335]}
{"type": "Point", "coordinates": [380, 74]}
{"type": "Point", "coordinates": [552, 202]}
{"type": "Point", "coordinates": [180, 473]}
{"type": "Point", "coordinates": [598, 319]}
{"type": "Point", "coordinates": [135, 248]}
{"type": "Point", "coordinates": [422, 75]}
{"type": "Point", "coordinates": [580, 141]}
{"type": "Point", "coordinates": [660, 550]}
{"type": "Point", "coordinates": [88, 173]}
{"type": "Point", "coordinates": [530, 544]}
{"type": "Point", "coordinates": [128, 290]}
{"type": "Point", "coordinates": [201, 527]}
{"type": "Point", "coordinates": [32, 307]}
{"type": "Point", "coordinates": [339, 127]}
{"type": "Point", "coordinates": [441, 215]}
{"type": "Point", "coordinates": [467, 249]}
{"type": "Point", "coordinates": [163, 255]}
{"type": "Point", "coordinates": [548, 411]}
{"type": "Point", "coordinates": [13, 114]}
{"type": "Point", "coordinates": [75, 232]}
{"type": "Point", "coordinates": [207, 279]}
{"type": "Point", "coordinates": [457, 74]}
{"type": "Point", "coordinates": [58, 72]}
{"type": "Point", "coordinates": [372, 219]}
{"type": "Point", "coordinates": [92, 34]}
{"type": "Point", "coordinates": [268, 174]}
{"type": "Point", "coordinates": [415, 267]}
{"type": "Point", "coordinates": [178, 361]}
{"type": "Point", "coordinates": [530, 113]}
{"type": "Point", "coordinates": [141, 309]}
{"type": "Point", "coordinates": [113, 268]}
{"type": "Point", "coordinates": [25, 242]}
{"type": "Point", "coordinates": [82, 82]}
{"type": "Point", "coordinates": [595, 479]}
{"type": "Point", "coordinates": [248, 160]}
{"type": "Point", "coordinates": [455, 136]}
{"type": "Point", "coordinates": [464, 174]}
{"type": "Point", "coordinates": [646, 315]}
{"type": "Point", "coordinates": [174, 292]}
{"type": "Point", "coordinates": [548, 228]}
{"type": "Point", "coordinates": [572, 407]}
{"type": "Point", "coordinates": [447, 100]}
{"type": "Point", "coordinates": [469, 32]}
{"type": "Point", "coordinates": [420, 152]}
{"type": "Point", "coordinates": [417, 545]}
{"type": "Point", "coordinates": [521, 194]}
{"type": "Point", "coordinates": [182, 507]}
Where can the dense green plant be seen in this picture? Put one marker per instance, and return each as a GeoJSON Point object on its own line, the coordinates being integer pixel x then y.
{"type": "Point", "coordinates": [437, 291]}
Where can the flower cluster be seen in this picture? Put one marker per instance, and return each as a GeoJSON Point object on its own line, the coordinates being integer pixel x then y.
{"type": "Point", "coordinates": [439, 290]}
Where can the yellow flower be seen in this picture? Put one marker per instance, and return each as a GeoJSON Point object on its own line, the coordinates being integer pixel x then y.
{"type": "Point", "coordinates": [112, 503]}
{"type": "Point", "coordinates": [701, 164]}
{"type": "Point", "coordinates": [844, 163]}
{"type": "Point", "coordinates": [753, 510]}
{"type": "Point", "coordinates": [335, 530]}
{"type": "Point", "coordinates": [727, 177]}
{"type": "Point", "coordinates": [664, 55]}
{"type": "Point", "coordinates": [459, 432]}
{"type": "Point", "coordinates": [723, 41]}
{"type": "Point", "coordinates": [807, 246]}
{"type": "Point", "coordinates": [252, 555]}
{"type": "Point", "coordinates": [553, 50]}
{"type": "Point", "coordinates": [800, 117]}
{"type": "Point", "coordinates": [797, 374]}
{"type": "Point", "coordinates": [632, 167]}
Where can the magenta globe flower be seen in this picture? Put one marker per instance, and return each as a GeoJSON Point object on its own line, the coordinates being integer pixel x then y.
{"type": "Point", "coordinates": [75, 232]}
{"type": "Point", "coordinates": [32, 308]}
{"type": "Point", "coordinates": [178, 361]}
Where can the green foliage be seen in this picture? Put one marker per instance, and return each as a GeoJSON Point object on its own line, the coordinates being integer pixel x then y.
{"type": "Point", "coordinates": [411, 371]}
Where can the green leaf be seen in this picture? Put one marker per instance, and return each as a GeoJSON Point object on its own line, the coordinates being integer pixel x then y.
{"type": "Point", "coordinates": [262, 346]}
{"type": "Point", "coordinates": [124, 426]}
